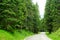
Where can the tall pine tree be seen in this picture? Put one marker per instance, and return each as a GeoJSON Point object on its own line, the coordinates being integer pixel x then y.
{"type": "Point", "coordinates": [52, 12]}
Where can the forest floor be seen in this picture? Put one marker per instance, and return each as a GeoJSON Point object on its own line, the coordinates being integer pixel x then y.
{"type": "Point", "coordinates": [41, 36]}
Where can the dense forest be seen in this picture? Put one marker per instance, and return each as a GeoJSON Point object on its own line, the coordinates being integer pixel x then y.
{"type": "Point", "coordinates": [52, 15]}
{"type": "Point", "coordinates": [18, 15]}
{"type": "Point", "coordinates": [23, 15]}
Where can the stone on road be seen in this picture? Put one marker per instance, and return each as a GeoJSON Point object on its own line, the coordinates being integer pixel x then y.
{"type": "Point", "coordinates": [41, 36]}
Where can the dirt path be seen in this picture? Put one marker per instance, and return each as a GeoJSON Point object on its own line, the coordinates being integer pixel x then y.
{"type": "Point", "coordinates": [41, 36]}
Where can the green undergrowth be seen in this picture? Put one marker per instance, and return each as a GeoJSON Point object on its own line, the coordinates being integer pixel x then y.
{"type": "Point", "coordinates": [55, 35]}
{"type": "Point", "coordinates": [4, 35]}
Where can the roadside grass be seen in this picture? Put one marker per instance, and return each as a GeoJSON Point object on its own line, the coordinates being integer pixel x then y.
{"type": "Point", "coordinates": [55, 35]}
{"type": "Point", "coordinates": [22, 34]}
{"type": "Point", "coordinates": [4, 35]}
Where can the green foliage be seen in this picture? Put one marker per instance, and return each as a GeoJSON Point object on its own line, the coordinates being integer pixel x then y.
{"type": "Point", "coordinates": [52, 15]}
{"type": "Point", "coordinates": [8, 18]}
{"type": "Point", "coordinates": [22, 34]}
{"type": "Point", "coordinates": [43, 27]}
{"type": "Point", "coordinates": [33, 19]}
{"type": "Point", "coordinates": [4, 35]}
{"type": "Point", "coordinates": [55, 35]}
{"type": "Point", "coordinates": [19, 14]}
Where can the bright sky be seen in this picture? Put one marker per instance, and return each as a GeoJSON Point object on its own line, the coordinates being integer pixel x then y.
{"type": "Point", "coordinates": [41, 4]}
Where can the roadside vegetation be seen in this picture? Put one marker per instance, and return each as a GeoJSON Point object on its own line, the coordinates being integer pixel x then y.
{"type": "Point", "coordinates": [18, 19]}
{"type": "Point", "coordinates": [21, 18]}
{"type": "Point", "coordinates": [4, 35]}
{"type": "Point", "coordinates": [52, 18]}
{"type": "Point", "coordinates": [54, 35]}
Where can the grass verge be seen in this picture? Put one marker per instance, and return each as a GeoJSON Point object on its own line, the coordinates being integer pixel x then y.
{"type": "Point", "coordinates": [4, 35]}
{"type": "Point", "coordinates": [55, 35]}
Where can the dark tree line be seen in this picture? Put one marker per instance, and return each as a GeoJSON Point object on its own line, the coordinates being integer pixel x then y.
{"type": "Point", "coordinates": [23, 14]}
{"type": "Point", "coordinates": [18, 15]}
{"type": "Point", "coordinates": [52, 15]}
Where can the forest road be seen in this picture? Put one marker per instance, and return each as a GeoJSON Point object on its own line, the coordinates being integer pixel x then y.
{"type": "Point", "coordinates": [41, 36]}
